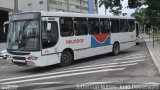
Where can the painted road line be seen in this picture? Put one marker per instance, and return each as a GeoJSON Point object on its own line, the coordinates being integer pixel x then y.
{"type": "Point", "coordinates": [97, 65]}
{"type": "Point", "coordinates": [64, 75]}
{"type": "Point", "coordinates": [54, 73]}
{"type": "Point", "coordinates": [128, 58]}
{"type": "Point", "coordinates": [91, 83]}
{"type": "Point", "coordinates": [122, 59]}
{"type": "Point", "coordinates": [136, 55]}
{"type": "Point", "coordinates": [66, 87]}
{"type": "Point", "coordinates": [40, 83]}
{"type": "Point", "coordinates": [46, 83]}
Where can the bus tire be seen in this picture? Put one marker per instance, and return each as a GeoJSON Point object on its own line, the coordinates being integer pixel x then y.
{"type": "Point", "coordinates": [66, 59]}
{"type": "Point", "coordinates": [116, 48]}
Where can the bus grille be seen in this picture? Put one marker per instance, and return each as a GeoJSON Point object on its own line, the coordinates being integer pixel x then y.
{"type": "Point", "coordinates": [19, 58]}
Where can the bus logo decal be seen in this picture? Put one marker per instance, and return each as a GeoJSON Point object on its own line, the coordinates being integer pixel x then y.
{"type": "Point", "coordinates": [100, 40]}
{"type": "Point", "coordinates": [75, 41]}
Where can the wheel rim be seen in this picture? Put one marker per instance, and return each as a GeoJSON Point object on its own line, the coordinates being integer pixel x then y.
{"type": "Point", "coordinates": [65, 58]}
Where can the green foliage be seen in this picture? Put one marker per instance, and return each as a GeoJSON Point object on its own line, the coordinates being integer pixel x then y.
{"type": "Point", "coordinates": [153, 12]}
{"type": "Point", "coordinates": [114, 5]}
{"type": "Point", "coordinates": [149, 16]}
{"type": "Point", "coordinates": [140, 16]}
{"type": "Point", "coordinates": [134, 3]}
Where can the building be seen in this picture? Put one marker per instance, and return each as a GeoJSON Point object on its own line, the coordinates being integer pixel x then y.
{"type": "Point", "coordinates": [6, 6]}
{"type": "Point", "coordinates": [75, 6]}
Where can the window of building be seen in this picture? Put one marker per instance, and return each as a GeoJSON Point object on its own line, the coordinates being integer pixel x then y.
{"type": "Point", "coordinates": [131, 25]}
{"type": "Point", "coordinates": [77, 7]}
{"type": "Point", "coordinates": [40, 2]}
{"type": "Point", "coordinates": [53, 2]}
{"type": "Point", "coordinates": [105, 26]}
{"type": "Point", "coordinates": [80, 25]}
{"type": "Point", "coordinates": [93, 26]}
{"type": "Point", "coordinates": [66, 25]}
{"type": "Point", "coordinates": [123, 25]}
{"type": "Point", "coordinates": [114, 25]}
{"type": "Point", "coordinates": [29, 4]}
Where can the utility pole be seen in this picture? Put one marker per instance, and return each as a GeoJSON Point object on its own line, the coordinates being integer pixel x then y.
{"type": "Point", "coordinates": [15, 6]}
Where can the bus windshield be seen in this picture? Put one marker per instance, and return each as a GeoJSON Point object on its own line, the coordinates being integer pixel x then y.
{"type": "Point", "coordinates": [24, 35]}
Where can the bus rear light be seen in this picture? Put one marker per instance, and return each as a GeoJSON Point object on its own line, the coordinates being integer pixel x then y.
{"type": "Point", "coordinates": [32, 58]}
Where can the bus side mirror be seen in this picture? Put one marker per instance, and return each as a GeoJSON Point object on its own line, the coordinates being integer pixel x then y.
{"type": "Point", "coordinates": [48, 26]}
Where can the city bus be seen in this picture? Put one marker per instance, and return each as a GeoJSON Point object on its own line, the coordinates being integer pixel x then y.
{"type": "Point", "coordinates": [47, 38]}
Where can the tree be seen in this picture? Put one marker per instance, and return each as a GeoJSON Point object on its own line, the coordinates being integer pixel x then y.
{"type": "Point", "coordinates": [141, 17]}
{"type": "Point", "coordinates": [153, 12]}
{"type": "Point", "coordinates": [134, 3]}
{"type": "Point", "coordinates": [106, 3]}
{"type": "Point", "coordinates": [114, 6]}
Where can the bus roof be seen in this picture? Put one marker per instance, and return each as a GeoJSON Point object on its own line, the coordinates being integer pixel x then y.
{"type": "Point", "coordinates": [66, 14]}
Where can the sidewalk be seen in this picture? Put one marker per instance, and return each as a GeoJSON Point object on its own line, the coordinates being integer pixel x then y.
{"type": "Point", "coordinates": [2, 46]}
{"type": "Point", "coordinates": [154, 52]}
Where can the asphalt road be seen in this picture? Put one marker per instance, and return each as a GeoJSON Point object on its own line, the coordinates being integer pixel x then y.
{"type": "Point", "coordinates": [131, 66]}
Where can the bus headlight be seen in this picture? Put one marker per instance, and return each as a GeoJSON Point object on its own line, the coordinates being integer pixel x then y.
{"type": "Point", "coordinates": [32, 58]}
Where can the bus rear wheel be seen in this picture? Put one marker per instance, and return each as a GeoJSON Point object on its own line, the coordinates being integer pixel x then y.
{"type": "Point", "coordinates": [116, 48]}
{"type": "Point", "coordinates": [66, 58]}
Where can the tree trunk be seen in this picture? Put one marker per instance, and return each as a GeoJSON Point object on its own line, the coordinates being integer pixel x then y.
{"type": "Point", "coordinates": [96, 6]}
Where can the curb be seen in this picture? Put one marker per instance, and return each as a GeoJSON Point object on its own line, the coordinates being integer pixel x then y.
{"type": "Point", "coordinates": [154, 56]}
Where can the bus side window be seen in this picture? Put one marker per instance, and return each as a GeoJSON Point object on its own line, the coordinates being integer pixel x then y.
{"type": "Point", "coordinates": [66, 27]}
{"type": "Point", "coordinates": [105, 26]}
{"type": "Point", "coordinates": [131, 25]}
{"type": "Point", "coordinates": [123, 25]}
{"type": "Point", "coordinates": [114, 25]}
{"type": "Point", "coordinates": [93, 26]}
{"type": "Point", "coordinates": [80, 26]}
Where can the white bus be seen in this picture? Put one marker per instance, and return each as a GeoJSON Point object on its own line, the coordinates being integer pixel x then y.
{"type": "Point", "coordinates": [47, 38]}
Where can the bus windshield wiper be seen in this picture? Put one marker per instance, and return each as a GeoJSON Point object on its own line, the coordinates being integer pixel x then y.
{"type": "Point", "coordinates": [25, 24]}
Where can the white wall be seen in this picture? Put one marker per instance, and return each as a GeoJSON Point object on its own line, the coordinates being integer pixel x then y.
{"type": "Point", "coordinates": [34, 5]}
{"type": "Point", "coordinates": [7, 4]}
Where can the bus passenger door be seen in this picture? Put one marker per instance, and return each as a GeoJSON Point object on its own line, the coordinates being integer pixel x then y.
{"type": "Point", "coordinates": [137, 34]}
{"type": "Point", "coordinates": [49, 36]}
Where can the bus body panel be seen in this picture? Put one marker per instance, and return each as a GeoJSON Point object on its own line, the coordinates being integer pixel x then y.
{"type": "Point", "coordinates": [82, 46]}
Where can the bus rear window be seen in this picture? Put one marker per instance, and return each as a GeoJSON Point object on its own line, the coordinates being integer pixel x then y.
{"type": "Point", "coordinates": [131, 25]}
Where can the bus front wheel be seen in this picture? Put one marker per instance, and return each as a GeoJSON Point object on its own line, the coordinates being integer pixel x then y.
{"type": "Point", "coordinates": [66, 58]}
{"type": "Point", "coordinates": [116, 48]}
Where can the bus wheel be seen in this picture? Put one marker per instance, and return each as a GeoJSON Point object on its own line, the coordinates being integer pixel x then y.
{"type": "Point", "coordinates": [115, 49]}
{"type": "Point", "coordinates": [66, 58]}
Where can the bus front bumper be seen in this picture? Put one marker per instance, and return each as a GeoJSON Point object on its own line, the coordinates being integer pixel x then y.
{"type": "Point", "coordinates": [21, 62]}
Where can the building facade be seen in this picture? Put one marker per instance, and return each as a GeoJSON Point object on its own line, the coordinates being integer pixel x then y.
{"type": "Point", "coordinates": [74, 6]}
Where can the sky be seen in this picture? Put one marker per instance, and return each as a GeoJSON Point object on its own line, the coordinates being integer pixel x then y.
{"type": "Point", "coordinates": [124, 9]}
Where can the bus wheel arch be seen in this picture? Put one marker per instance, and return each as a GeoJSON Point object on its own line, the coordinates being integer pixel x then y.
{"type": "Point", "coordinates": [116, 48]}
{"type": "Point", "coordinates": [67, 57]}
